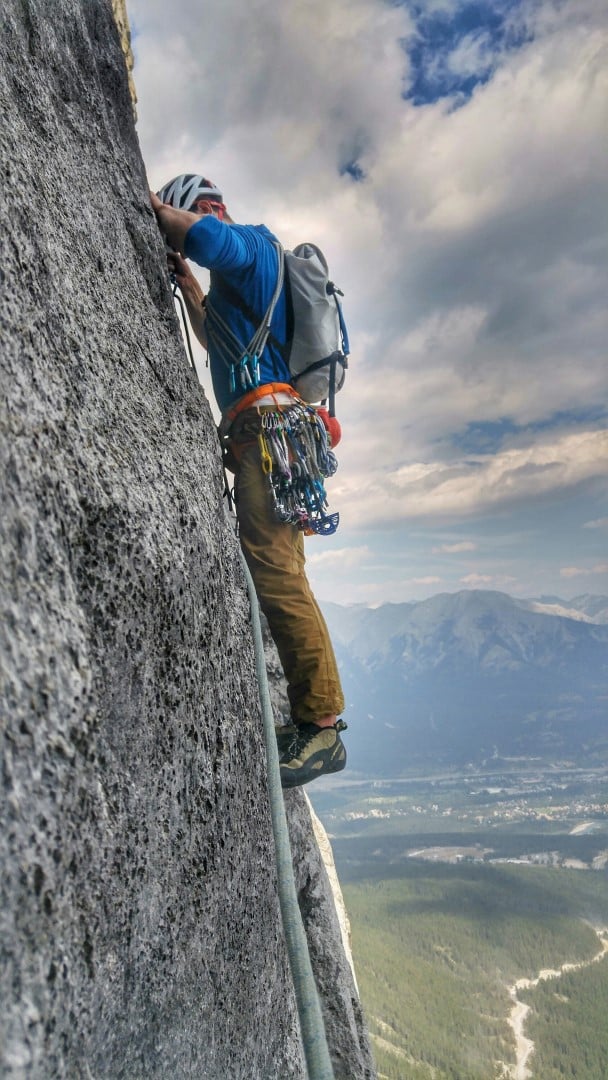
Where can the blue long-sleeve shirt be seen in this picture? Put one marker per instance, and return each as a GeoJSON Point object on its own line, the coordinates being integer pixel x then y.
{"type": "Point", "coordinates": [244, 258]}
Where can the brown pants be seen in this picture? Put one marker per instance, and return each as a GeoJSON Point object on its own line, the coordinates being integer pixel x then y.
{"type": "Point", "coordinates": [275, 556]}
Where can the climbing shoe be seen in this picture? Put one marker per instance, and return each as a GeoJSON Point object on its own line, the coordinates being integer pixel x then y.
{"type": "Point", "coordinates": [284, 735]}
{"type": "Point", "coordinates": [310, 752]}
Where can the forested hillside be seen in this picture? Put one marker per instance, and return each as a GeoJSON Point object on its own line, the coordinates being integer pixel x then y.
{"type": "Point", "coordinates": [437, 948]}
{"type": "Point", "coordinates": [569, 1025]}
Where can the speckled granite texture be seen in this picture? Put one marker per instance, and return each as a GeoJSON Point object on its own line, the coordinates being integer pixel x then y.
{"type": "Point", "coordinates": [139, 923]}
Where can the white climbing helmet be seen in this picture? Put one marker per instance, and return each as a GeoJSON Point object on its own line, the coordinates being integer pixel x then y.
{"type": "Point", "coordinates": [183, 191]}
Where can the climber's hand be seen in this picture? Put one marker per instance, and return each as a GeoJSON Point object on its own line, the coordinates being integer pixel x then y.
{"type": "Point", "coordinates": [190, 287]}
{"type": "Point", "coordinates": [173, 223]}
{"type": "Point", "coordinates": [178, 266]}
{"type": "Point", "coordinates": [155, 201]}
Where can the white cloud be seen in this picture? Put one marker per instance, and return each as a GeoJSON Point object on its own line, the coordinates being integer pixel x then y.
{"type": "Point", "coordinates": [471, 256]}
{"type": "Point", "coordinates": [578, 571]}
{"type": "Point", "coordinates": [454, 549]}
{"type": "Point", "coordinates": [472, 485]}
{"type": "Point", "coordinates": [276, 100]}
{"type": "Point", "coordinates": [476, 581]}
{"type": "Point", "coordinates": [599, 523]}
{"type": "Point", "coordinates": [340, 558]}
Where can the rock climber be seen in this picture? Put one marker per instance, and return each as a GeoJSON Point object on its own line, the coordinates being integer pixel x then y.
{"type": "Point", "coordinates": [244, 267]}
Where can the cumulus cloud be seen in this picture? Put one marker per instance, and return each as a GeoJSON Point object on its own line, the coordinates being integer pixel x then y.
{"type": "Point", "coordinates": [279, 100]}
{"type": "Point", "coordinates": [471, 250]}
{"type": "Point", "coordinates": [474, 484]}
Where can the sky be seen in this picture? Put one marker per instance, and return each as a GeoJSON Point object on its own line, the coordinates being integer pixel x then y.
{"type": "Point", "coordinates": [450, 158]}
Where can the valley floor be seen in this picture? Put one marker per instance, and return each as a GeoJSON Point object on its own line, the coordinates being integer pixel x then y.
{"type": "Point", "coordinates": [468, 902]}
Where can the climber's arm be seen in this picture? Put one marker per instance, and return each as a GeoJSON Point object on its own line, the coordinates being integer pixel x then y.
{"type": "Point", "coordinates": [175, 224]}
{"type": "Point", "coordinates": [204, 238]}
{"type": "Point", "coordinates": [192, 293]}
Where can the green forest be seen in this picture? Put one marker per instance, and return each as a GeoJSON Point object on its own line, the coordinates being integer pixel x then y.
{"type": "Point", "coordinates": [436, 947]}
{"type": "Point", "coordinates": [569, 1025]}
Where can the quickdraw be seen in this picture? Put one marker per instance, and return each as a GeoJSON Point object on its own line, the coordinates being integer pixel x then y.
{"type": "Point", "coordinates": [243, 363]}
{"type": "Point", "coordinates": [296, 458]}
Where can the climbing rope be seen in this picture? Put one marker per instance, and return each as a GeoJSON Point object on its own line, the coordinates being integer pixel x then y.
{"type": "Point", "coordinates": [177, 297]}
{"type": "Point", "coordinates": [312, 1027]}
{"type": "Point", "coordinates": [314, 1039]}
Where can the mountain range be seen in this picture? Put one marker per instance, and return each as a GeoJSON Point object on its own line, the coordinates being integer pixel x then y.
{"type": "Point", "coordinates": [473, 677]}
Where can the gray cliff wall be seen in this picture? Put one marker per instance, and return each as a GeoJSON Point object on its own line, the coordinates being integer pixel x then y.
{"type": "Point", "coordinates": [140, 930]}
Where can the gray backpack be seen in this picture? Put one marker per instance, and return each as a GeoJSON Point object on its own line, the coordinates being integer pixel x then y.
{"type": "Point", "coordinates": [317, 339]}
{"type": "Point", "coordinates": [318, 343]}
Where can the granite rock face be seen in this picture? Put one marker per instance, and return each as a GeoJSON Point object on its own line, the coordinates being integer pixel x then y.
{"type": "Point", "coordinates": [139, 926]}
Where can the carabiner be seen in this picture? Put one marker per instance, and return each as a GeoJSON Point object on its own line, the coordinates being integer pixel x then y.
{"type": "Point", "coordinates": [264, 454]}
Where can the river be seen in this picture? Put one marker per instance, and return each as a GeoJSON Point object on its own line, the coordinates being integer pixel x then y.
{"type": "Point", "coordinates": [519, 1012]}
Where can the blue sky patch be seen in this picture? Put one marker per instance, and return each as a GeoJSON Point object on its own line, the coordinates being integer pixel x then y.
{"type": "Point", "coordinates": [488, 436]}
{"type": "Point", "coordinates": [483, 437]}
{"type": "Point", "coordinates": [456, 47]}
{"type": "Point", "coordinates": [352, 169]}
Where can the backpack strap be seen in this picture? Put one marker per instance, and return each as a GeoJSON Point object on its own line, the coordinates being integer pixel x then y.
{"type": "Point", "coordinates": [236, 300]}
{"type": "Point", "coordinates": [334, 384]}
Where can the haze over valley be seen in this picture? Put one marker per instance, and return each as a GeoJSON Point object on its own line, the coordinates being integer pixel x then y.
{"type": "Point", "coordinates": [467, 679]}
{"type": "Point", "coordinates": [470, 833]}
